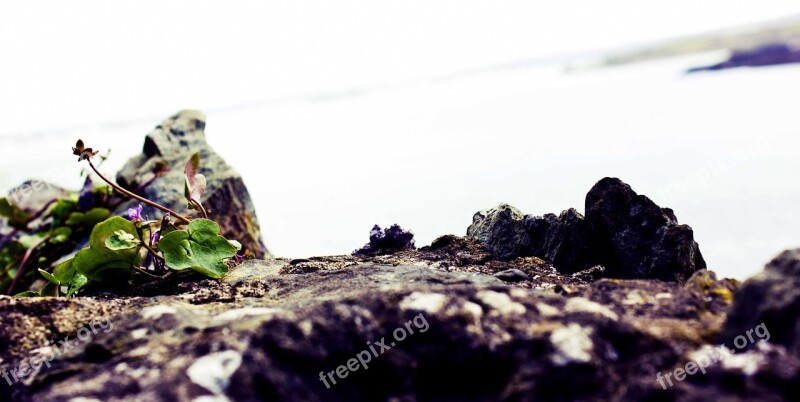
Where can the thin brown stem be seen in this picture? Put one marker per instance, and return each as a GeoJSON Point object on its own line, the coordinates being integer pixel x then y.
{"type": "Point", "coordinates": [144, 271]}
{"type": "Point", "coordinates": [153, 251]}
{"type": "Point", "coordinates": [199, 207]}
{"type": "Point", "coordinates": [136, 197]}
{"type": "Point", "coordinates": [25, 259]}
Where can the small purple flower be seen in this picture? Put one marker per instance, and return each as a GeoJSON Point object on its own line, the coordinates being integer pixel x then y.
{"type": "Point", "coordinates": [155, 238]}
{"type": "Point", "coordinates": [135, 214]}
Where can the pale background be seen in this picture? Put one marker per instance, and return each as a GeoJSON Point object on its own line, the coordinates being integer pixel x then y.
{"type": "Point", "coordinates": [341, 116]}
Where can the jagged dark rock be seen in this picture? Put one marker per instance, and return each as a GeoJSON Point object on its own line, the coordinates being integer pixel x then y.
{"type": "Point", "coordinates": [264, 333]}
{"type": "Point", "coordinates": [172, 143]}
{"type": "Point", "coordinates": [635, 238]}
{"type": "Point", "coordinates": [626, 233]}
{"type": "Point", "coordinates": [387, 241]}
{"type": "Point", "coordinates": [561, 240]}
{"type": "Point", "coordinates": [772, 297]}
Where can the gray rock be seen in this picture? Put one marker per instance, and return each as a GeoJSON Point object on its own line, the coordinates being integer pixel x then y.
{"type": "Point", "coordinates": [635, 238]}
{"type": "Point", "coordinates": [33, 195]}
{"type": "Point", "coordinates": [260, 334]}
{"type": "Point", "coordinates": [173, 142]}
{"type": "Point", "coordinates": [624, 232]}
{"type": "Point", "coordinates": [511, 275]}
{"type": "Point", "coordinates": [771, 298]}
{"type": "Point", "coordinates": [502, 231]}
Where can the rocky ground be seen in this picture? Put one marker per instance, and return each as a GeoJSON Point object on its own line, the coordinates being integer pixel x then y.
{"type": "Point", "coordinates": [270, 328]}
{"type": "Point", "coordinates": [471, 331]}
{"type": "Point", "coordinates": [612, 306]}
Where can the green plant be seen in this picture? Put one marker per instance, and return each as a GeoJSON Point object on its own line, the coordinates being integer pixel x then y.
{"type": "Point", "coordinates": [118, 248]}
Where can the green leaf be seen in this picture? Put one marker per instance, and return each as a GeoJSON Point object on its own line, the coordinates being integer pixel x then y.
{"type": "Point", "coordinates": [28, 241]}
{"type": "Point", "coordinates": [77, 283]}
{"type": "Point", "coordinates": [201, 248]}
{"type": "Point", "coordinates": [88, 219]}
{"type": "Point", "coordinates": [100, 263]}
{"type": "Point", "coordinates": [61, 210]}
{"type": "Point", "coordinates": [17, 217]}
{"type": "Point", "coordinates": [52, 279]}
{"type": "Point", "coordinates": [60, 234]}
{"type": "Point", "coordinates": [121, 240]}
{"type": "Point", "coordinates": [27, 293]}
{"type": "Point", "coordinates": [64, 272]}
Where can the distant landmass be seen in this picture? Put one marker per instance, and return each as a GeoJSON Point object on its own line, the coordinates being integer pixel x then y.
{"type": "Point", "coordinates": [770, 43]}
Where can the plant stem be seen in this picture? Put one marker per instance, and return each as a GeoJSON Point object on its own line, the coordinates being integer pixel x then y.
{"type": "Point", "coordinates": [25, 259]}
{"type": "Point", "coordinates": [143, 271]}
{"type": "Point", "coordinates": [136, 197]}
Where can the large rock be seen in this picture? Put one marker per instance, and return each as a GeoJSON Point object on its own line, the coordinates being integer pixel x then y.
{"type": "Point", "coordinates": [771, 299]}
{"type": "Point", "coordinates": [561, 240]}
{"type": "Point", "coordinates": [627, 233]}
{"type": "Point", "coordinates": [635, 238]}
{"type": "Point", "coordinates": [502, 231]}
{"type": "Point", "coordinates": [263, 333]}
{"type": "Point", "coordinates": [173, 142]}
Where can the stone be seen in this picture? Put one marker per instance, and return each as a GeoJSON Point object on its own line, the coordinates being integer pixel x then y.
{"type": "Point", "coordinates": [511, 275]}
{"type": "Point", "coordinates": [502, 231]}
{"type": "Point", "coordinates": [625, 233]}
{"type": "Point", "coordinates": [561, 240]}
{"type": "Point", "coordinates": [262, 333]}
{"type": "Point", "coordinates": [632, 237]}
{"type": "Point", "coordinates": [173, 142]}
{"type": "Point", "coordinates": [771, 298]}
{"type": "Point", "coordinates": [387, 241]}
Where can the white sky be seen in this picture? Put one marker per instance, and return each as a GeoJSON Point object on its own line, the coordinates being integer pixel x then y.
{"type": "Point", "coordinates": [323, 167]}
{"type": "Point", "coordinates": [71, 63]}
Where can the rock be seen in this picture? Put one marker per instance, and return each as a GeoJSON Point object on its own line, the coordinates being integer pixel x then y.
{"type": "Point", "coordinates": [561, 240]}
{"type": "Point", "coordinates": [502, 231]}
{"type": "Point", "coordinates": [387, 241]}
{"type": "Point", "coordinates": [771, 298]}
{"type": "Point", "coordinates": [173, 142]}
{"type": "Point", "coordinates": [34, 195]}
{"type": "Point", "coordinates": [590, 274]}
{"type": "Point", "coordinates": [379, 328]}
{"type": "Point", "coordinates": [511, 275]}
{"type": "Point", "coordinates": [624, 232]}
{"type": "Point", "coordinates": [635, 238]}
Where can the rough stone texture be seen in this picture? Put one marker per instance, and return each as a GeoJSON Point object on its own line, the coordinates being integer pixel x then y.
{"type": "Point", "coordinates": [264, 333]}
{"type": "Point", "coordinates": [561, 240]}
{"type": "Point", "coordinates": [626, 233]}
{"type": "Point", "coordinates": [635, 238]}
{"type": "Point", "coordinates": [173, 142]}
{"type": "Point", "coordinates": [502, 230]}
{"type": "Point", "coordinates": [773, 298]}
{"type": "Point", "coordinates": [387, 241]}
{"type": "Point", "coordinates": [33, 195]}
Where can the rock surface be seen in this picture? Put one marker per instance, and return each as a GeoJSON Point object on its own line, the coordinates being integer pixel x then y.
{"type": "Point", "coordinates": [625, 232]}
{"type": "Point", "coordinates": [502, 230]}
{"type": "Point", "coordinates": [173, 142]}
{"type": "Point", "coordinates": [635, 238]}
{"type": "Point", "coordinates": [773, 298]}
{"type": "Point", "coordinates": [269, 329]}
{"type": "Point", "coordinates": [387, 241]}
{"type": "Point", "coordinates": [562, 239]}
